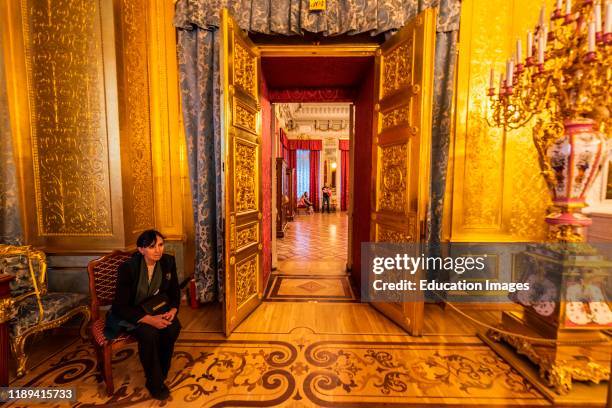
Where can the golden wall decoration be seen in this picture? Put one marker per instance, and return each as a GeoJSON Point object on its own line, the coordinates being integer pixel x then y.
{"type": "Point", "coordinates": [133, 78]}
{"type": "Point", "coordinates": [99, 148]}
{"type": "Point", "coordinates": [384, 234]}
{"type": "Point", "coordinates": [247, 235]}
{"type": "Point", "coordinates": [245, 118]}
{"type": "Point", "coordinates": [244, 69]}
{"type": "Point", "coordinates": [245, 177]}
{"type": "Point", "coordinates": [392, 183]}
{"type": "Point", "coordinates": [497, 190]}
{"type": "Point", "coordinates": [396, 116]}
{"type": "Point", "coordinates": [246, 280]}
{"type": "Point", "coordinates": [67, 114]}
{"type": "Point", "coordinates": [397, 68]}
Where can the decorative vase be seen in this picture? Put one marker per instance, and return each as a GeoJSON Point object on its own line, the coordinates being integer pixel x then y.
{"type": "Point", "coordinates": [575, 159]}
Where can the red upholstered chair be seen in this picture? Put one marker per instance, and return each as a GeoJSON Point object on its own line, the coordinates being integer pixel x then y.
{"type": "Point", "coordinates": [102, 285]}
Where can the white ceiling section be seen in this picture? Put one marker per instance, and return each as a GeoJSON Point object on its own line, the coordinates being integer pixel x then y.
{"type": "Point", "coordinates": [314, 120]}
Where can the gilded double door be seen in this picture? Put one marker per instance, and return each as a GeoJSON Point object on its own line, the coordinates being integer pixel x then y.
{"type": "Point", "coordinates": [401, 140]}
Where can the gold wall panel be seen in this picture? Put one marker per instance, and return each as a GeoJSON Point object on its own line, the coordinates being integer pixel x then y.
{"type": "Point", "coordinates": [395, 117]}
{"type": "Point", "coordinates": [245, 118]}
{"type": "Point", "coordinates": [247, 235]}
{"type": "Point", "coordinates": [168, 144]}
{"type": "Point", "coordinates": [397, 68]}
{"type": "Point", "coordinates": [135, 127]}
{"type": "Point", "coordinates": [245, 182]}
{"type": "Point", "coordinates": [385, 234]}
{"type": "Point", "coordinates": [244, 68]}
{"type": "Point", "coordinates": [68, 117]}
{"type": "Point", "coordinates": [95, 112]}
{"type": "Point", "coordinates": [246, 280]}
{"type": "Point", "coordinates": [497, 191]}
{"type": "Point", "coordinates": [392, 183]}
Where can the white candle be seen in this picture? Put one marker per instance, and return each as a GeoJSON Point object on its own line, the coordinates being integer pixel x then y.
{"type": "Point", "coordinates": [608, 27]}
{"type": "Point", "coordinates": [542, 15]}
{"type": "Point", "coordinates": [501, 82]}
{"type": "Point", "coordinates": [568, 7]}
{"type": "Point", "coordinates": [559, 3]}
{"type": "Point", "coordinates": [519, 51]}
{"type": "Point", "coordinates": [597, 11]}
{"type": "Point", "coordinates": [591, 37]}
{"type": "Point", "coordinates": [541, 50]}
{"type": "Point", "coordinates": [529, 44]}
{"type": "Point", "coordinates": [510, 72]}
{"type": "Point", "coordinates": [492, 79]}
{"type": "Point", "coordinates": [544, 37]}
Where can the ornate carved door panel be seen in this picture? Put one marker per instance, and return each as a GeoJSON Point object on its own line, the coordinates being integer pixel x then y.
{"type": "Point", "coordinates": [241, 130]}
{"type": "Point", "coordinates": [401, 148]}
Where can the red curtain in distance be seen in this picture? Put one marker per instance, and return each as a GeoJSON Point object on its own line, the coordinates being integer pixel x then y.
{"type": "Point", "coordinates": [291, 163]}
{"type": "Point", "coordinates": [344, 146]}
{"type": "Point", "coordinates": [315, 156]}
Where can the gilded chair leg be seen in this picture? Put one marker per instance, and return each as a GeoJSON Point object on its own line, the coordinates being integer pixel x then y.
{"type": "Point", "coordinates": [17, 347]}
{"type": "Point", "coordinates": [107, 371]}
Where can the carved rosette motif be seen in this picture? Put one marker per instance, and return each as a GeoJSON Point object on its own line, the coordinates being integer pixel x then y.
{"type": "Point", "coordinates": [245, 118]}
{"type": "Point", "coordinates": [69, 139]}
{"type": "Point", "coordinates": [247, 235]}
{"type": "Point", "coordinates": [397, 68]}
{"type": "Point", "coordinates": [395, 117]}
{"type": "Point", "coordinates": [135, 99]}
{"type": "Point", "coordinates": [245, 65]}
{"type": "Point", "coordinates": [245, 177]}
{"type": "Point", "coordinates": [246, 280]}
{"type": "Point", "coordinates": [392, 195]}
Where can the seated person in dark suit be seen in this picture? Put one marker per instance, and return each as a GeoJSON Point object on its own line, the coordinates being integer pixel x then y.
{"type": "Point", "coordinates": [148, 275]}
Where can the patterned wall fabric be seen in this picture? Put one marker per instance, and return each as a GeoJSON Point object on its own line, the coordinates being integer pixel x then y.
{"type": "Point", "coordinates": [10, 215]}
{"type": "Point", "coordinates": [197, 21]}
{"type": "Point", "coordinates": [291, 17]}
{"type": "Point", "coordinates": [199, 83]}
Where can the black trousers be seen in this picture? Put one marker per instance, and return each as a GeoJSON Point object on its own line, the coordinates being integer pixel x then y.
{"type": "Point", "coordinates": [155, 349]}
{"type": "Point", "coordinates": [325, 201]}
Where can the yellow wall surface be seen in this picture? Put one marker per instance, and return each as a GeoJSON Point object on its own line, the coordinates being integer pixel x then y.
{"type": "Point", "coordinates": [496, 192]}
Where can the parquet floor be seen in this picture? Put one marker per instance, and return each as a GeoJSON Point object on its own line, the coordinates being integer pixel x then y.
{"type": "Point", "coordinates": [309, 344]}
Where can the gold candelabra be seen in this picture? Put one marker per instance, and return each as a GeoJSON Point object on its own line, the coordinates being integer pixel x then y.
{"type": "Point", "coordinates": [565, 82]}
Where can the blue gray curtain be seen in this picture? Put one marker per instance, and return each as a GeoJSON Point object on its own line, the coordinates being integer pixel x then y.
{"type": "Point", "coordinates": [10, 215]}
{"type": "Point", "coordinates": [197, 22]}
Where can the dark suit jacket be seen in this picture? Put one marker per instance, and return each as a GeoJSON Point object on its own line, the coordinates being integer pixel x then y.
{"type": "Point", "coordinates": [124, 305]}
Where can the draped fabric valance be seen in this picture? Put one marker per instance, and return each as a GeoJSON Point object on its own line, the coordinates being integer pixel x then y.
{"type": "Point", "coordinates": [292, 17]}
{"type": "Point", "coordinates": [305, 144]}
{"type": "Point", "coordinates": [344, 144]}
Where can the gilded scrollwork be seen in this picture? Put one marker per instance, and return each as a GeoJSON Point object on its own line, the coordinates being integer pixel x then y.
{"type": "Point", "coordinates": [247, 235]}
{"type": "Point", "coordinates": [246, 280]}
{"type": "Point", "coordinates": [6, 309]}
{"type": "Point", "coordinates": [397, 68]}
{"type": "Point", "coordinates": [245, 177]}
{"type": "Point", "coordinates": [385, 234]}
{"type": "Point", "coordinates": [395, 117]}
{"type": "Point", "coordinates": [67, 108]}
{"type": "Point", "coordinates": [245, 118]}
{"type": "Point", "coordinates": [393, 170]}
{"type": "Point", "coordinates": [135, 98]}
{"type": "Point", "coordinates": [245, 65]}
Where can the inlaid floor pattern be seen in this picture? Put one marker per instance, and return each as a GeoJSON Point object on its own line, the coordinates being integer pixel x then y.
{"type": "Point", "coordinates": [312, 261]}
{"type": "Point", "coordinates": [298, 369]}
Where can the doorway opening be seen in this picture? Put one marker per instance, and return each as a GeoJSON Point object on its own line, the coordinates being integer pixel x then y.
{"type": "Point", "coordinates": [312, 200]}
{"type": "Point", "coordinates": [321, 113]}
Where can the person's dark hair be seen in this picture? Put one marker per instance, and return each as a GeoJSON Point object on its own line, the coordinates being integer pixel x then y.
{"type": "Point", "coordinates": [148, 238]}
